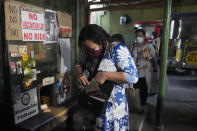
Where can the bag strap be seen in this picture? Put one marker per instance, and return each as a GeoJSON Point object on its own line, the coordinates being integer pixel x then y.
{"type": "Point", "coordinates": [92, 74]}
{"type": "Point", "coordinates": [108, 86]}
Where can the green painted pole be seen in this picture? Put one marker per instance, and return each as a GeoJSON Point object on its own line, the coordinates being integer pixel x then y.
{"type": "Point", "coordinates": [163, 64]}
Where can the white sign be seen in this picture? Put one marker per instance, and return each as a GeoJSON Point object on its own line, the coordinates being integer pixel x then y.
{"type": "Point", "coordinates": [27, 106]}
{"type": "Point", "coordinates": [51, 25]}
{"type": "Point", "coordinates": [48, 81]}
{"type": "Point", "coordinates": [33, 27]}
{"type": "Point", "coordinates": [65, 55]}
{"type": "Point", "coordinates": [23, 49]}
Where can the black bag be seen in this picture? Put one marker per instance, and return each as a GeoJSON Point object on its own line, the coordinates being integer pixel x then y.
{"type": "Point", "coordinates": [97, 102]}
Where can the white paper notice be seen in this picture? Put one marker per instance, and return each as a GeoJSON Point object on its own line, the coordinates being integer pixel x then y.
{"type": "Point", "coordinates": [23, 49]}
{"type": "Point", "coordinates": [48, 81]}
{"type": "Point", "coordinates": [65, 55]}
{"type": "Point", "coordinates": [33, 26]}
{"type": "Point", "coordinates": [51, 25]}
{"type": "Point", "coordinates": [27, 106]}
{"type": "Point", "coordinates": [13, 48]}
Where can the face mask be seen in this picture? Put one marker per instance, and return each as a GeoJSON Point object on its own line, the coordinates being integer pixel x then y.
{"type": "Point", "coordinates": [139, 39]}
{"type": "Point", "coordinates": [95, 53]}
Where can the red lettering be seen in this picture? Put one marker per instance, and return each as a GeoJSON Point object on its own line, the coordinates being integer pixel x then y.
{"type": "Point", "coordinates": [25, 36]}
{"type": "Point", "coordinates": [24, 24]}
{"type": "Point", "coordinates": [39, 36]}
{"type": "Point", "coordinates": [42, 27]}
{"type": "Point", "coordinates": [30, 16]}
{"type": "Point", "coordinates": [69, 30]}
{"type": "Point", "coordinates": [43, 36]}
{"type": "Point", "coordinates": [36, 36]}
{"type": "Point", "coordinates": [33, 25]}
{"type": "Point", "coordinates": [61, 30]}
{"type": "Point", "coordinates": [33, 16]}
{"type": "Point", "coordinates": [36, 25]}
{"type": "Point", "coordinates": [30, 36]}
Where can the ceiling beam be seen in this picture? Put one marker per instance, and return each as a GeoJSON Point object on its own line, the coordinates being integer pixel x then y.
{"type": "Point", "coordinates": [146, 4]}
{"type": "Point", "coordinates": [113, 2]}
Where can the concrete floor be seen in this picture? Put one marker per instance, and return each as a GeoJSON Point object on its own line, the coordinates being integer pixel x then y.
{"type": "Point", "coordinates": [180, 105]}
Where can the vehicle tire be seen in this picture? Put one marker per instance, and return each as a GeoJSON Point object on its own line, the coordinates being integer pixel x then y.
{"type": "Point", "coordinates": [180, 71]}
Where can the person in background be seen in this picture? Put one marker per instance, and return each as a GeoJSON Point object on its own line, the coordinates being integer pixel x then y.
{"type": "Point", "coordinates": [144, 57]}
{"type": "Point", "coordinates": [118, 38]}
{"type": "Point", "coordinates": [117, 65]}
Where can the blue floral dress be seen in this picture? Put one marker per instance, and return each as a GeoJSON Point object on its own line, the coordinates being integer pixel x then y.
{"type": "Point", "coordinates": [116, 115]}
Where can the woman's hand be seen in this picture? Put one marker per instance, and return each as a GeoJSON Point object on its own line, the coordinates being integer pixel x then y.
{"type": "Point", "coordinates": [100, 77]}
{"type": "Point", "coordinates": [149, 58]}
{"type": "Point", "coordinates": [82, 80]}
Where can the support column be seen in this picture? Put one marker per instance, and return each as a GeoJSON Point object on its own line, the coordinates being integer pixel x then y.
{"type": "Point", "coordinates": [163, 58]}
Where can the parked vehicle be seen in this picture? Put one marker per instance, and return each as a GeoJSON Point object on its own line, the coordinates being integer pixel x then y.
{"type": "Point", "coordinates": [182, 53]}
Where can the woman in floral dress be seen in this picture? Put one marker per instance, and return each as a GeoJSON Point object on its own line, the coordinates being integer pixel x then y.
{"type": "Point", "coordinates": [116, 65]}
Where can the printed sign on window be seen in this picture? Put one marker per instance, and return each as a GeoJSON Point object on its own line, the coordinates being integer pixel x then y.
{"type": "Point", "coordinates": [26, 106]}
{"type": "Point", "coordinates": [33, 27]}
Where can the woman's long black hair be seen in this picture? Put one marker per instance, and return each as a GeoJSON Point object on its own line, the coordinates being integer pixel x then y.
{"type": "Point", "coordinates": [96, 34]}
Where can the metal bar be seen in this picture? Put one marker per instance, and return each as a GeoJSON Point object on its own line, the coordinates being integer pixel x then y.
{"type": "Point", "coordinates": [77, 33]}
{"type": "Point", "coordinates": [7, 98]}
{"type": "Point", "coordinates": [112, 2]}
{"type": "Point", "coordinates": [147, 4]}
{"type": "Point", "coordinates": [163, 58]}
{"type": "Point", "coordinates": [110, 23]}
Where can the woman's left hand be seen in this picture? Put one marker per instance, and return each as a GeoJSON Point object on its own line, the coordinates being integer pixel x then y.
{"type": "Point", "coordinates": [100, 77]}
{"type": "Point", "coordinates": [149, 58]}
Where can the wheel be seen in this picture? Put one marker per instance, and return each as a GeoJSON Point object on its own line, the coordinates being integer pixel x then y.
{"type": "Point", "coordinates": [180, 71]}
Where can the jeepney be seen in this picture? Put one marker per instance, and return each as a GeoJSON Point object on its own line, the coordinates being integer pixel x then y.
{"type": "Point", "coordinates": [182, 53]}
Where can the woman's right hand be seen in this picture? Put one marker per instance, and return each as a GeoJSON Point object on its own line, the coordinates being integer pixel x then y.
{"type": "Point", "coordinates": [82, 80]}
